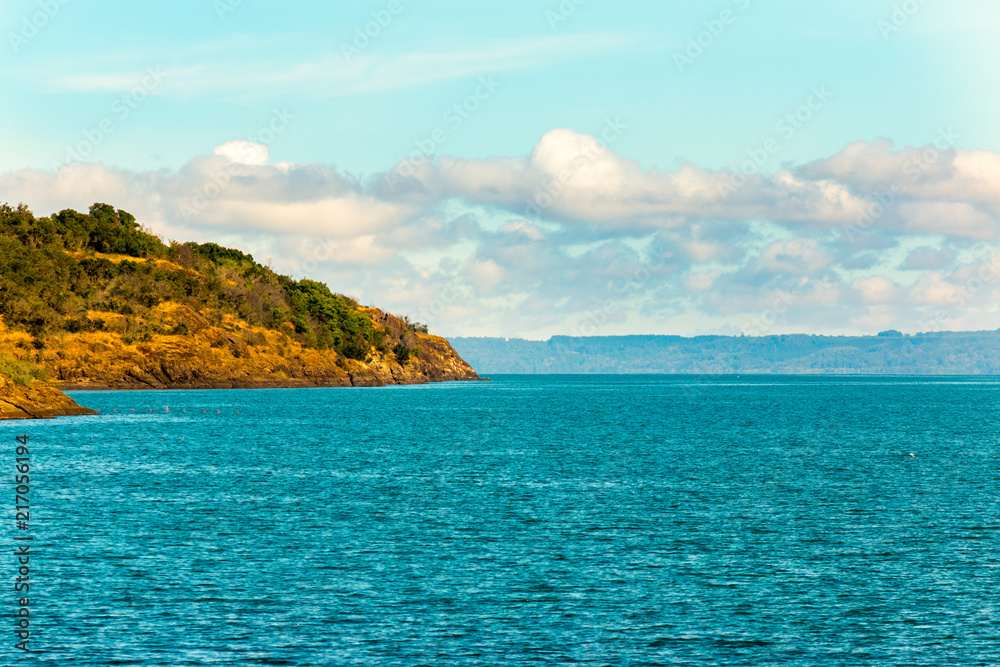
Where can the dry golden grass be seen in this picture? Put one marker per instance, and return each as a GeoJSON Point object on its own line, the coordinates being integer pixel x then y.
{"type": "Point", "coordinates": [230, 353]}
{"type": "Point", "coordinates": [118, 259]}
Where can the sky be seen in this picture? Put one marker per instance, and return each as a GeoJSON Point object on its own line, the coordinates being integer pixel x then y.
{"type": "Point", "coordinates": [535, 168]}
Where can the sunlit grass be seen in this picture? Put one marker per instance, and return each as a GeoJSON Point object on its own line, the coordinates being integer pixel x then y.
{"type": "Point", "coordinates": [22, 372]}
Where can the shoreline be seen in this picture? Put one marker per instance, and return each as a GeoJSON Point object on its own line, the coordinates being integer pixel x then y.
{"type": "Point", "coordinates": [37, 401]}
{"type": "Point", "coordinates": [260, 385]}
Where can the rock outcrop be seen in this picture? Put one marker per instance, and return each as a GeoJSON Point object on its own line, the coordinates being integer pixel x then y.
{"type": "Point", "coordinates": [232, 355]}
{"type": "Point", "coordinates": [37, 401]}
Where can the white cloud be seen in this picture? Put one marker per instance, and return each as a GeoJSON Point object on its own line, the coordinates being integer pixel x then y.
{"type": "Point", "coordinates": [243, 152]}
{"type": "Point", "coordinates": [456, 246]}
{"type": "Point", "coordinates": [877, 289]}
{"type": "Point", "coordinates": [794, 258]}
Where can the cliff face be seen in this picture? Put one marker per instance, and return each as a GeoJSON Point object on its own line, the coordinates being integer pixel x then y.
{"type": "Point", "coordinates": [230, 355]}
{"type": "Point", "coordinates": [36, 402]}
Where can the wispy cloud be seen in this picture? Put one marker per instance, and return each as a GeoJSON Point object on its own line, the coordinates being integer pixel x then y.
{"type": "Point", "coordinates": [241, 66]}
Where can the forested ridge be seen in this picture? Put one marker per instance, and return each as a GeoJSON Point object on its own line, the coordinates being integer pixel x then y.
{"type": "Point", "coordinates": [78, 272]}
{"type": "Point", "coordinates": [890, 352]}
{"type": "Point", "coordinates": [95, 301]}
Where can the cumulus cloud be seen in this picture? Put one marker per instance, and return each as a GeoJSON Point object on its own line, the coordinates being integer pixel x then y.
{"type": "Point", "coordinates": [876, 289]}
{"type": "Point", "coordinates": [243, 152]}
{"type": "Point", "coordinates": [578, 179]}
{"type": "Point", "coordinates": [575, 234]}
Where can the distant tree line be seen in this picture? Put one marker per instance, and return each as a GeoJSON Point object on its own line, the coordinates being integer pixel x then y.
{"type": "Point", "coordinates": [890, 352]}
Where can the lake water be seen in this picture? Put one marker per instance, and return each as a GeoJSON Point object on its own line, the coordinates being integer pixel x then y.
{"type": "Point", "coordinates": [529, 520]}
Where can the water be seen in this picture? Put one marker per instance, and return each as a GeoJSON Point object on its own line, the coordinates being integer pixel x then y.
{"type": "Point", "coordinates": [530, 520]}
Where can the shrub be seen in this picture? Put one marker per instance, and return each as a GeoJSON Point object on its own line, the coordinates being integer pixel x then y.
{"type": "Point", "coordinates": [402, 353]}
{"type": "Point", "coordinates": [355, 347]}
{"type": "Point", "coordinates": [22, 372]}
{"type": "Point", "coordinates": [255, 338]}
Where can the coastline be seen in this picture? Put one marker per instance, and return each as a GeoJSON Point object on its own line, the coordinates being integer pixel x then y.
{"type": "Point", "coordinates": [83, 387]}
{"type": "Point", "coordinates": [101, 361]}
{"type": "Point", "coordinates": [37, 401]}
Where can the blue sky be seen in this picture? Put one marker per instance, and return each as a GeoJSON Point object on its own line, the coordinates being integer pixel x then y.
{"type": "Point", "coordinates": [346, 159]}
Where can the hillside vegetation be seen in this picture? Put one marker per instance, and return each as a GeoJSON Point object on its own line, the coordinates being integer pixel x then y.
{"type": "Point", "coordinates": [96, 300]}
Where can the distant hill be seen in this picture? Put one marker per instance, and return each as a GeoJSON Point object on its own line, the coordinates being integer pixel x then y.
{"type": "Point", "coordinates": [949, 353]}
{"type": "Point", "coordinates": [92, 300]}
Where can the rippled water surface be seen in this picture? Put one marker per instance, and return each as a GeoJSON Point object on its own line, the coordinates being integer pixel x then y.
{"type": "Point", "coordinates": [528, 520]}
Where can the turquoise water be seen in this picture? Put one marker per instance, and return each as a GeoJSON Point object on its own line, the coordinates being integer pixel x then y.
{"type": "Point", "coordinates": [529, 520]}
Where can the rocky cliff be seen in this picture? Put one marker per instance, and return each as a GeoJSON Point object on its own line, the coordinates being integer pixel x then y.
{"type": "Point", "coordinates": [232, 354]}
{"type": "Point", "coordinates": [36, 401]}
